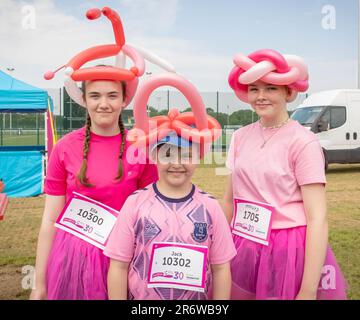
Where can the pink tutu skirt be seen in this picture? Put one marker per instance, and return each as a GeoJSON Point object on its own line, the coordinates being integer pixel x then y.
{"type": "Point", "coordinates": [76, 270]}
{"type": "Point", "coordinates": [275, 271]}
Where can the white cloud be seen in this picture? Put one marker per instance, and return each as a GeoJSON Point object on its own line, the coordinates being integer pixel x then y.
{"type": "Point", "coordinates": [55, 39]}
{"type": "Point", "coordinates": [155, 15]}
{"type": "Point", "coordinates": [58, 36]}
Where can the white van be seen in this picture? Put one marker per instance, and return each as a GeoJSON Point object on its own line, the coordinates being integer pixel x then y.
{"type": "Point", "coordinates": [335, 118]}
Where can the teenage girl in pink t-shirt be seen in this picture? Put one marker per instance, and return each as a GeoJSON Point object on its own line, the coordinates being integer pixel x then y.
{"type": "Point", "coordinates": [275, 197]}
{"type": "Point", "coordinates": [91, 161]}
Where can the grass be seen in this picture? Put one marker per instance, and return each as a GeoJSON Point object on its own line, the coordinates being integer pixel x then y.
{"type": "Point", "coordinates": [22, 140]}
{"type": "Point", "coordinates": [19, 230]}
{"type": "Point", "coordinates": [343, 201]}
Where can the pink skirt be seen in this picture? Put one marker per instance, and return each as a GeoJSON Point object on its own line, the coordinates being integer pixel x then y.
{"type": "Point", "coordinates": [275, 271]}
{"type": "Point", "coordinates": [76, 270]}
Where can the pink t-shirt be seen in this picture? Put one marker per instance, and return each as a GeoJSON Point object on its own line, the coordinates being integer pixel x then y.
{"type": "Point", "coordinates": [148, 216]}
{"type": "Point", "coordinates": [103, 158]}
{"type": "Point", "coordinates": [292, 157]}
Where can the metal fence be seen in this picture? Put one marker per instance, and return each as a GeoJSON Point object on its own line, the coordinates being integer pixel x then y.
{"type": "Point", "coordinates": [22, 129]}
{"type": "Point", "coordinates": [224, 106]}
{"type": "Point", "coordinates": [28, 129]}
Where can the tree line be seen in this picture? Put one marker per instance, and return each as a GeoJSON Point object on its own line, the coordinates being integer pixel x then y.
{"type": "Point", "coordinates": [75, 118]}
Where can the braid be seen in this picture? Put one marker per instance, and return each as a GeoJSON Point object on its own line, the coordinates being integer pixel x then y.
{"type": "Point", "coordinates": [82, 173]}
{"type": "Point", "coordinates": [122, 147]}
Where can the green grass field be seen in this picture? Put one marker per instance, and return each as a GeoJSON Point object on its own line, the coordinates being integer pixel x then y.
{"type": "Point", "coordinates": [19, 230]}
{"type": "Point", "coordinates": [22, 140]}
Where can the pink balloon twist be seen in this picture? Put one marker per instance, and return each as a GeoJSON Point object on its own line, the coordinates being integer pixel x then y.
{"type": "Point", "coordinates": [271, 67]}
{"type": "Point", "coordinates": [75, 72]}
{"type": "Point", "coordinates": [148, 131]}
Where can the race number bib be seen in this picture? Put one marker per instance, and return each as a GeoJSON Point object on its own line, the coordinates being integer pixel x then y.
{"type": "Point", "coordinates": [87, 219]}
{"type": "Point", "coordinates": [178, 265]}
{"type": "Point", "coordinates": [252, 220]}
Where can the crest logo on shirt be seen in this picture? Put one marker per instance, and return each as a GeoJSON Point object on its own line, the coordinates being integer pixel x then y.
{"type": "Point", "coordinates": [200, 233]}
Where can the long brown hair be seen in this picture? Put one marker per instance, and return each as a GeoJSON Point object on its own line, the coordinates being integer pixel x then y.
{"type": "Point", "coordinates": [82, 173]}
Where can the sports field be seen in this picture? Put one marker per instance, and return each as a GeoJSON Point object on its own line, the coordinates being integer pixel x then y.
{"type": "Point", "coordinates": [23, 139]}
{"type": "Point", "coordinates": [19, 230]}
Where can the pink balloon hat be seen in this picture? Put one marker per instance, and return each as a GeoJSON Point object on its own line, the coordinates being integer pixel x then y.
{"type": "Point", "coordinates": [117, 73]}
{"type": "Point", "coordinates": [196, 126]}
{"type": "Point", "coordinates": [271, 67]}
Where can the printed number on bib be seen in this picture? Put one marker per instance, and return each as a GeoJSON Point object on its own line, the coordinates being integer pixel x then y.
{"type": "Point", "coordinates": [87, 219]}
{"type": "Point", "coordinates": [178, 265]}
{"type": "Point", "coordinates": [252, 220]}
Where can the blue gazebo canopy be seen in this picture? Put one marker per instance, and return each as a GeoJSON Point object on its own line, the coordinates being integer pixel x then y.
{"type": "Point", "coordinates": [21, 168]}
{"type": "Point", "coordinates": [18, 96]}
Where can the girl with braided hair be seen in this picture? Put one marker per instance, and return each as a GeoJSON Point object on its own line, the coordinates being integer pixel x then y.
{"type": "Point", "coordinates": [92, 162]}
{"type": "Point", "coordinates": [91, 172]}
{"type": "Point", "coordinates": [275, 197]}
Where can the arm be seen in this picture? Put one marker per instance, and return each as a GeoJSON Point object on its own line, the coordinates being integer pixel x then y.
{"type": "Point", "coordinates": [227, 204]}
{"type": "Point", "coordinates": [316, 239]}
{"type": "Point", "coordinates": [53, 207]}
{"type": "Point", "coordinates": [117, 280]}
{"type": "Point", "coordinates": [221, 281]}
{"type": "Point", "coordinates": [228, 198]}
{"type": "Point", "coordinates": [120, 250]}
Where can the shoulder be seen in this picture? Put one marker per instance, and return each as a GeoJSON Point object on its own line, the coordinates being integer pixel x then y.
{"type": "Point", "coordinates": [137, 201]}
{"type": "Point", "coordinates": [204, 195]}
{"type": "Point", "coordinates": [67, 142]}
{"type": "Point", "coordinates": [246, 128]}
{"type": "Point", "coordinates": [141, 195]}
{"type": "Point", "coordinates": [212, 206]}
{"type": "Point", "coordinates": [300, 132]}
{"type": "Point", "coordinates": [304, 146]}
{"type": "Point", "coordinates": [302, 136]}
{"type": "Point", "coordinates": [71, 138]}
{"type": "Point", "coordinates": [243, 131]}
{"type": "Point", "coordinates": [208, 200]}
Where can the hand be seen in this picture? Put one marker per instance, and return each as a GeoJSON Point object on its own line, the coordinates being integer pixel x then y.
{"type": "Point", "coordinates": [303, 295]}
{"type": "Point", "coordinates": [38, 294]}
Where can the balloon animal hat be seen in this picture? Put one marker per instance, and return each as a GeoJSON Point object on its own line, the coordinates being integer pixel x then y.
{"type": "Point", "coordinates": [148, 131]}
{"type": "Point", "coordinates": [121, 50]}
{"type": "Point", "coordinates": [271, 67]}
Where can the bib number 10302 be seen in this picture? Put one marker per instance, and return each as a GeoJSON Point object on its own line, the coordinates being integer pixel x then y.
{"type": "Point", "coordinates": [178, 265]}
{"type": "Point", "coordinates": [174, 261]}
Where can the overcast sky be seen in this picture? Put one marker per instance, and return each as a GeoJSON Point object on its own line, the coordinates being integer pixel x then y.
{"type": "Point", "coordinates": [198, 37]}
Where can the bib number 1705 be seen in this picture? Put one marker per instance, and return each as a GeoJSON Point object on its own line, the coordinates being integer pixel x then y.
{"type": "Point", "coordinates": [248, 215]}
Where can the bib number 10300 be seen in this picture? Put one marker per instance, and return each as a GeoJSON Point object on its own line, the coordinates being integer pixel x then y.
{"type": "Point", "coordinates": [87, 219]}
{"type": "Point", "coordinates": [91, 216]}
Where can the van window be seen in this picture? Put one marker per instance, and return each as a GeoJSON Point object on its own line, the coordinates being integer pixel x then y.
{"type": "Point", "coordinates": [306, 116]}
{"type": "Point", "coordinates": [326, 117]}
{"type": "Point", "coordinates": [335, 116]}
{"type": "Point", "coordinates": [338, 117]}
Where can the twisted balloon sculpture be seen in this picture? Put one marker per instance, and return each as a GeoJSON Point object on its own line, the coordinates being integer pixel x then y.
{"type": "Point", "coordinates": [148, 131]}
{"type": "Point", "coordinates": [271, 67]}
{"type": "Point", "coordinates": [75, 73]}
